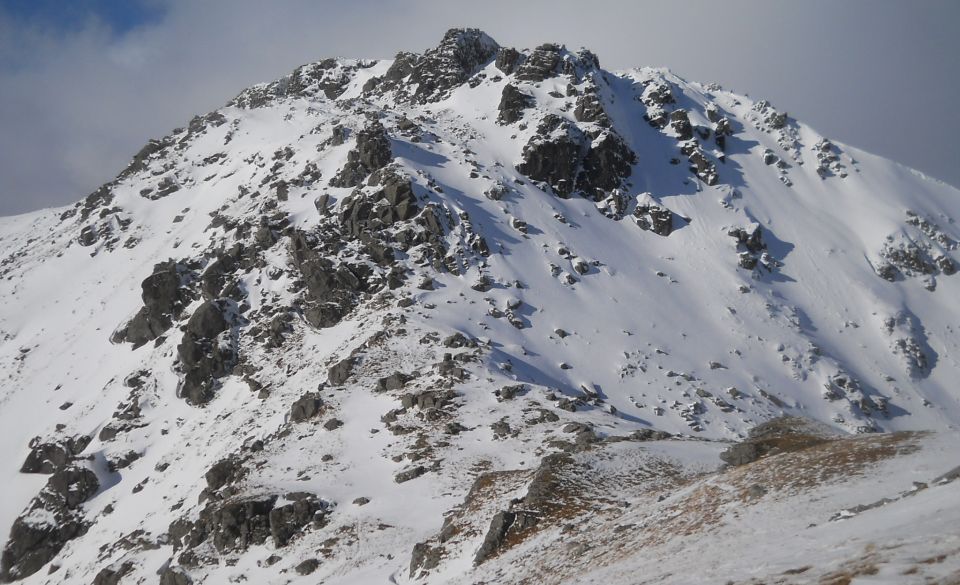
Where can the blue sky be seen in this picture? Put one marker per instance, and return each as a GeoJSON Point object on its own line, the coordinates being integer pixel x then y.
{"type": "Point", "coordinates": [65, 15]}
{"type": "Point", "coordinates": [85, 83]}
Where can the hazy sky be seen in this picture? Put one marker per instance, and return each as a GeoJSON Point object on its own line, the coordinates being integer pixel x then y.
{"type": "Point", "coordinates": [84, 83]}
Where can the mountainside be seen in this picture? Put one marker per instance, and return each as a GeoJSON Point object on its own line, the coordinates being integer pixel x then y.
{"type": "Point", "coordinates": [482, 315]}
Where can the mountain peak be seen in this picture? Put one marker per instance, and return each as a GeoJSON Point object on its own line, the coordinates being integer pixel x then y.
{"type": "Point", "coordinates": [496, 302]}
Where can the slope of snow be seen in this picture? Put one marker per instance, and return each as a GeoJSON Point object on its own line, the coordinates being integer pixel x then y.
{"type": "Point", "coordinates": [637, 330]}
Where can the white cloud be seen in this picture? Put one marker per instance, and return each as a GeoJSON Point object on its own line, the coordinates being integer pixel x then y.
{"type": "Point", "coordinates": [74, 107]}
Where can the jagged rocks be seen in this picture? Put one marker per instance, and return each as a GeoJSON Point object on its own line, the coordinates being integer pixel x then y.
{"type": "Point", "coordinates": [541, 64]}
{"type": "Point", "coordinates": [49, 522]}
{"type": "Point", "coordinates": [367, 213]}
{"type": "Point", "coordinates": [751, 249]}
{"type": "Point", "coordinates": [50, 457]}
{"type": "Point", "coordinates": [340, 372]}
{"type": "Point", "coordinates": [653, 217]}
{"type": "Point", "coordinates": [508, 59]}
{"type": "Point", "coordinates": [175, 576]}
{"type": "Point", "coordinates": [371, 153]}
{"type": "Point", "coordinates": [512, 104]}
{"type": "Point", "coordinates": [680, 123]}
{"type": "Point", "coordinates": [208, 350]}
{"type": "Point", "coordinates": [553, 154]}
{"type": "Point", "coordinates": [224, 472]}
{"type": "Point", "coordinates": [607, 163]}
{"type": "Point", "coordinates": [164, 295]}
{"type": "Point", "coordinates": [561, 155]}
{"type": "Point", "coordinates": [236, 524]}
{"type": "Point", "coordinates": [306, 407]}
{"type": "Point", "coordinates": [459, 55]}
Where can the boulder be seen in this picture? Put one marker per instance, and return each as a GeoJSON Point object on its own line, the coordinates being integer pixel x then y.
{"type": "Point", "coordinates": [512, 104]}
{"type": "Point", "coordinates": [306, 407]}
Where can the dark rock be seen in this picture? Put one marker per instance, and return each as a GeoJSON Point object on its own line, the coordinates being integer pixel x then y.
{"type": "Point", "coordinates": [307, 567]}
{"type": "Point", "coordinates": [175, 576]}
{"type": "Point", "coordinates": [460, 54]}
{"type": "Point", "coordinates": [507, 60]}
{"type": "Point", "coordinates": [541, 64]}
{"type": "Point", "coordinates": [458, 340]}
{"type": "Point", "coordinates": [333, 424]}
{"type": "Point", "coordinates": [654, 217]}
{"type": "Point", "coordinates": [50, 457]}
{"type": "Point", "coordinates": [289, 520]}
{"type": "Point", "coordinates": [164, 297]}
{"type": "Point", "coordinates": [371, 153]}
{"type": "Point", "coordinates": [49, 522]}
{"type": "Point", "coordinates": [394, 381]}
{"type": "Point", "coordinates": [340, 372]}
{"type": "Point", "coordinates": [424, 558]}
{"type": "Point", "coordinates": [306, 407]}
{"type": "Point", "coordinates": [410, 473]}
{"type": "Point", "coordinates": [204, 355]}
{"type": "Point", "coordinates": [552, 155]}
{"type": "Point", "coordinates": [112, 575]}
{"type": "Point", "coordinates": [680, 122]}
{"type": "Point", "coordinates": [224, 472]}
{"type": "Point", "coordinates": [589, 109]}
{"type": "Point", "coordinates": [512, 104]}
{"type": "Point", "coordinates": [607, 163]}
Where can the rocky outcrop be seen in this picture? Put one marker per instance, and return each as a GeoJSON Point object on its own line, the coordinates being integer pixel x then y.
{"type": "Point", "coordinates": [208, 350]}
{"type": "Point", "coordinates": [49, 457]}
{"type": "Point", "coordinates": [459, 55]}
{"type": "Point", "coordinates": [371, 153]}
{"type": "Point", "coordinates": [235, 524]}
{"type": "Point", "coordinates": [164, 295]}
{"type": "Point", "coordinates": [52, 519]}
{"type": "Point", "coordinates": [653, 216]}
{"type": "Point", "coordinates": [512, 104]}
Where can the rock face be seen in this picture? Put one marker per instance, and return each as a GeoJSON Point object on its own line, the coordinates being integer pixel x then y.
{"type": "Point", "coordinates": [512, 104]}
{"type": "Point", "coordinates": [51, 520]}
{"type": "Point", "coordinates": [541, 64]}
{"type": "Point", "coordinates": [459, 55]}
{"type": "Point", "coordinates": [49, 457]}
{"type": "Point", "coordinates": [553, 154]}
{"type": "Point", "coordinates": [654, 217]}
{"type": "Point", "coordinates": [566, 158]}
{"type": "Point", "coordinates": [372, 153]}
{"type": "Point", "coordinates": [208, 351]}
{"type": "Point", "coordinates": [164, 297]}
{"type": "Point", "coordinates": [236, 524]}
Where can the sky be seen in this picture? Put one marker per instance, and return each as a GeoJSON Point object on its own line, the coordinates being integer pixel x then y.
{"type": "Point", "coordinates": [85, 83]}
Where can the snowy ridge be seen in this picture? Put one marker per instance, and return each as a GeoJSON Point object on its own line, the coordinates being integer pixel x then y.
{"type": "Point", "coordinates": [291, 338]}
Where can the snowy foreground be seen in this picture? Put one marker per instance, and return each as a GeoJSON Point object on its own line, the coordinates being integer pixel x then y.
{"type": "Point", "coordinates": [485, 316]}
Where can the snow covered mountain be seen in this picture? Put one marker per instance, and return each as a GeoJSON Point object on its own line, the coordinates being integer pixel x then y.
{"type": "Point", "coordinates": [484, 315]}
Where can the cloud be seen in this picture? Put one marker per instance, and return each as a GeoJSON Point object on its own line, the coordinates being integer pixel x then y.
{"type": "Point", "coordinates": [76, 103]}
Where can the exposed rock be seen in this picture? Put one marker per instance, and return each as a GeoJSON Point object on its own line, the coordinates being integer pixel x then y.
{"type": "Point", "coordinates": [306, 407]}
{"type": "Point", "coordinates": [340, 371]}
{"type": "Point", "coordinates": [654, 217]}
{"type": "Point", "coordinates": [307, 567]}
{"type": "Point", "coordinates": [207, 351]}
{"type": "Point", "coordinates": [372, 153]}
{"type": "Point", "coordinates": [49, 522]}
{"type": "Point", "coordinates": [512, 104]}
{"type": "Point", "coordinates": [175, 576]}
{"type": "Point", "coordinates": [459, 55]}
{"type": "Point", "coordinates": [508, 59]}
{"type": "Point", "coordinates": [50, 457]}
{"type": "Point", "coordinates": [164, 298]}
{"type": "Point", "coordinates": [541, 64]}
{"type": "Point", "coordinates": [553, 154]}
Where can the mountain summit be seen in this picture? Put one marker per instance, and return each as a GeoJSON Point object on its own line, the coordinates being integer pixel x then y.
{"type": "Point", "coordinates": [484, 315]}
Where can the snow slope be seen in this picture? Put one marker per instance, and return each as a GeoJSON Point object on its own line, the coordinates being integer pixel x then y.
{"type": "Point", "coordinates": [842, 308]}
